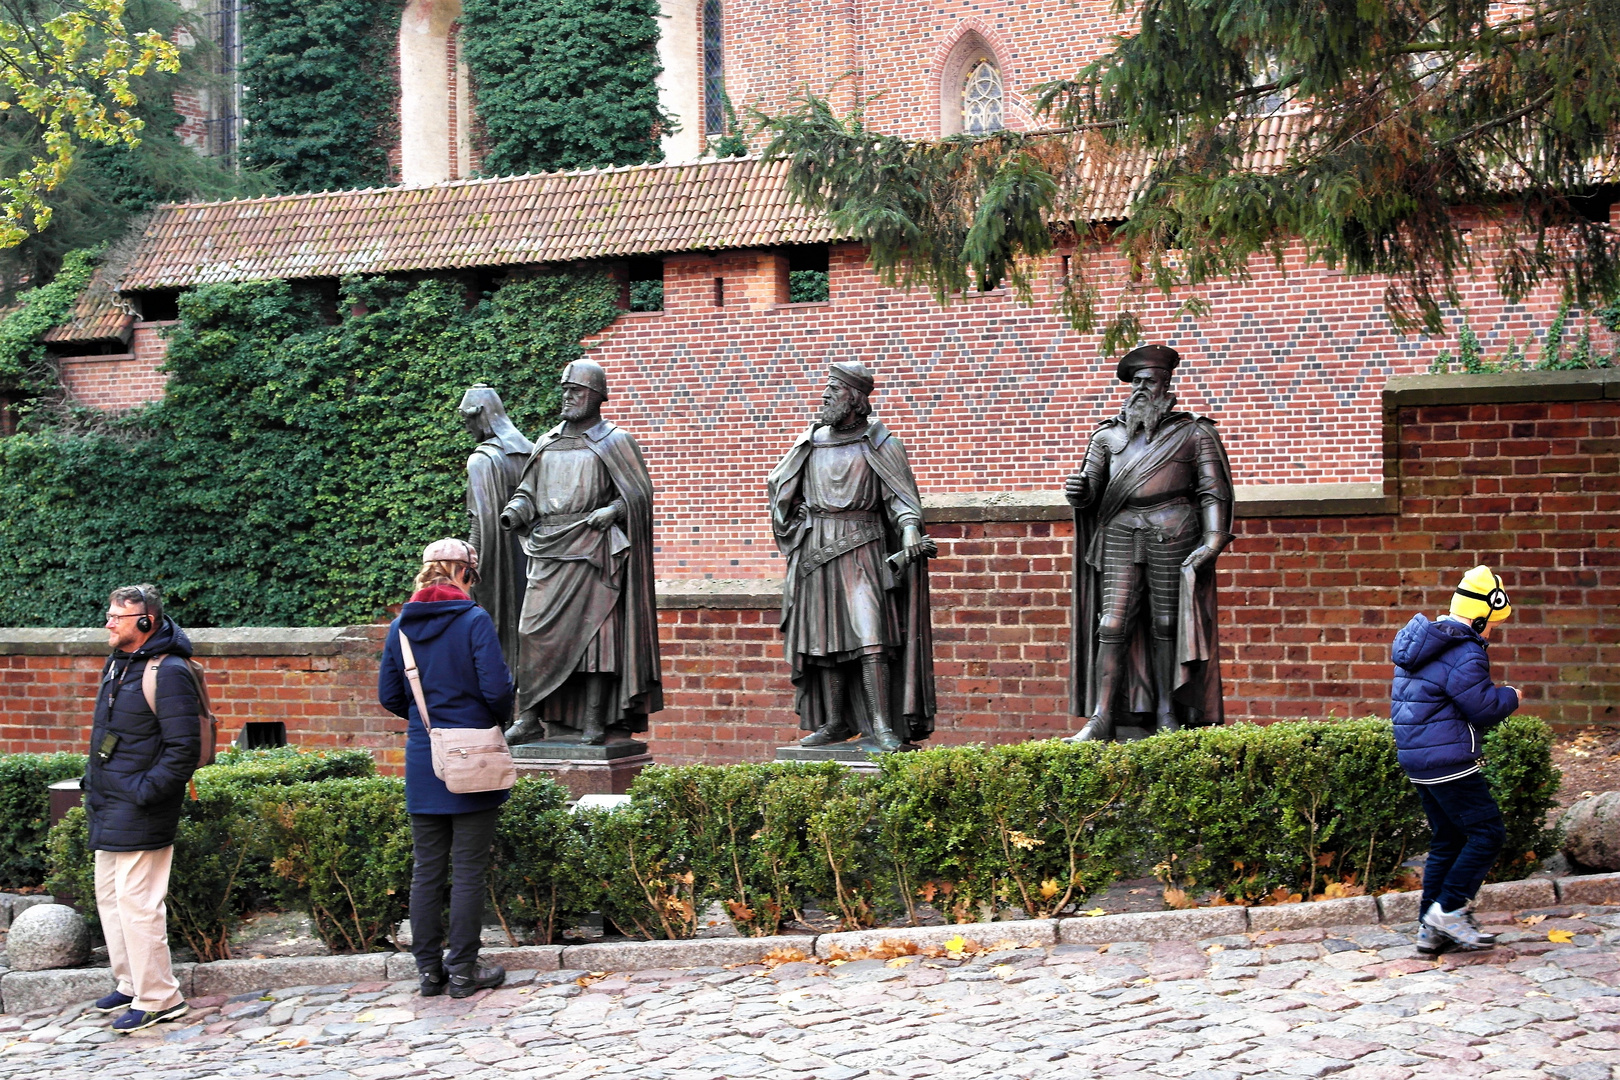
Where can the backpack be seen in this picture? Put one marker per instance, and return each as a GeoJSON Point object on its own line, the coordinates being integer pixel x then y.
{"type": "Point", "coordinates": [207, 722]}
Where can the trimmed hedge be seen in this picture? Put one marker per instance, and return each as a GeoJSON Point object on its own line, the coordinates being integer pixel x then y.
{"type": "Point", "coordinates": [25, 809]}
{"type": "Point", "coordinates": [1238, 814]}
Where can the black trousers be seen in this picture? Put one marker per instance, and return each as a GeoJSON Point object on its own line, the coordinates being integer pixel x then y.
{"type": "Point", "coordinates": [452, 851]}
{"type": "Point", "coordinates": [1468, 835]}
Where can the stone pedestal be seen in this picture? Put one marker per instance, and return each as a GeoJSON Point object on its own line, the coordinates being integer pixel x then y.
{"type": "Point", "coordinates": [584, 770]}
{"type": "Point", "coordinates": [857, 754]}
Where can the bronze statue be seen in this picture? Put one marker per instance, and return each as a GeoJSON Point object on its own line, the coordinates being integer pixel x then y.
{"type": "Point", "coordinates": [1153, 508]}
{"type": "Point", "coordinates": [588, 660]}
{"type": "Point", "coordinates": [855, 612]}
{"type": "Point", "coordinates": [492, 474]}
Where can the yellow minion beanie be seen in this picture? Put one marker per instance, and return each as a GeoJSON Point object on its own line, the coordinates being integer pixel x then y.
{"type": "Point", "coordinates": [1480, 598]}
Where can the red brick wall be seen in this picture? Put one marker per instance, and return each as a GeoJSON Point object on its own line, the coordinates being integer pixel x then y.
{"type": "Point", "coordinates": [325, 700]}
{"type": "Point", "coordinates": [1309, 607]}
{"type": "Point", "coordinates": [989, 394]}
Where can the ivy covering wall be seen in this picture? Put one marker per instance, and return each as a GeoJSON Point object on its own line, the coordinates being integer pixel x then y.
{"type": "Point", "coordinates": [320, 91]}
{"type": "Point", "coordinates": [564, 84]}
{"type": "Point", "coordinates": [301, 459]}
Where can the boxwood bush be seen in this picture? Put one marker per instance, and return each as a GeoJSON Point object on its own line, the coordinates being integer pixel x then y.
{"type": "Point", "coordinates": [25, 807]}
{"type": "Point", "coordinates": [1238, 814]}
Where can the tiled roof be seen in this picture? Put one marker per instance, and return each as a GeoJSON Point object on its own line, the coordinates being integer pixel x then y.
{"type": "Point", "coordinates": [99, 315]}
{"type": "Point", "coordinates": [555, 217]}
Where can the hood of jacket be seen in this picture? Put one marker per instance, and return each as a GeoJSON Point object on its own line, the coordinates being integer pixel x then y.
{"type": "Point", "coordinates": [169, 638]}
{"type": "Point", "coordinates": [1421, 641]}
{"type": "Point", "coordinates": [424, 621]}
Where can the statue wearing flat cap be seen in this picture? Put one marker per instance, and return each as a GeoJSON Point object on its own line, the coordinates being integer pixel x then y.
{"type": "Point", "coordinates": [493, 470]}
{"type": "Point", "coordinates": [1153, 508]}
{"type": "Point", "coordinates": [855, 611]}
{"type": "Point", "coordinates": [588, 632]}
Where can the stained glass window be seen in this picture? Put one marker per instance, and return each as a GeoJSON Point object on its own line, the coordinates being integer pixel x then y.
{"type": "Point", "coordinates": [714, 83]}
{"type": "Point", "coordinates": [981, 99]}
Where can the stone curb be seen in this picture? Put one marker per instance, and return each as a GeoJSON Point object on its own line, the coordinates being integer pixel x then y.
{"type": "Point", "coordinates": [26, 991]}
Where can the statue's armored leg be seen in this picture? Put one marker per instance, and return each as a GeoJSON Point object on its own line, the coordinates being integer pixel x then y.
{"type": "Point", "coordinates": [836, 729]}
{"type": "Point", "coordinates": [1110, 659]}
{"type": "Point", "coordinates": [598, 696]}
{"type": "Point", "coordinates": [875, 684]}
{"type": "Point", "coordinates": [527, 728]}
{"type": "Point", "coordinates": [1164, 679]}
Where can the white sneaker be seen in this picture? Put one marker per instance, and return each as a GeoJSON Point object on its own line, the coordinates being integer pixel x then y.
{"type": "Point", "coordinates": [1457, 926]}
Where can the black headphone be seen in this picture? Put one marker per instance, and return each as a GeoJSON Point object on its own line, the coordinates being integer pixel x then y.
{"type": "Point", "coordinates": [148, 602]}
{"type": "Point", "coordinates": [1497, 599]}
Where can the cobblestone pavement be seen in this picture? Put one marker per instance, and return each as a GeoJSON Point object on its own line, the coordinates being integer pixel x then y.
{"type": "Point", "coordinates": [1355, 1003]}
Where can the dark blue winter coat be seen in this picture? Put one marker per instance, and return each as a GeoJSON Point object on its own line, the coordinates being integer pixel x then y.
{"type": "Point", "coordinates": [1443, 701]}
{"type": "Point", "coordinates": [466, 683]}
{"type": "Point", "coordinates": [134, 797]}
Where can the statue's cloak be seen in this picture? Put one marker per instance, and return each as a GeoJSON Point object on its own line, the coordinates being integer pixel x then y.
{"type": "Point", "coordinates": [493, 472]}
{"type": "Point", "coordinates": [914, 677]}
{"type": "Point", "coordinates": [556, 637]}
{"type": "Point", "coordinates": [1197, 693]}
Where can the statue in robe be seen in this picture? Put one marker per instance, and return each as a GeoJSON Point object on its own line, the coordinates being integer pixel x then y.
{"type": "Point", "coordinates": [588, 661]}
{"type": "Point", "coordinates": [492, 475]}
{"type": "Point", "coordinates": [855, 608]}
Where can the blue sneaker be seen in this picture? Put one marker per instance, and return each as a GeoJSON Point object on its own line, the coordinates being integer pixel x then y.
{"type": "Point", "coordinates": [135, 1019]}
{"type": "Point", "coordinates": [112, 1002]}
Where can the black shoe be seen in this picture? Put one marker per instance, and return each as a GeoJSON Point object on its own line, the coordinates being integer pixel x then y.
{"type": "Point", "coordinates": [432, 983]}
{"type": "Point", "coordinates": [828, 734]}
{"type": "Point", "coordinates": [136, 1020]}
{"type": "Point", "coordinates": [475, 977]}
{"type": "Point", "coordinates": [113, 1002]}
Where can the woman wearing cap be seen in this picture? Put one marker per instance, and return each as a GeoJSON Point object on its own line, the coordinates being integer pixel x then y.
{"type": "Point", "coordinates": [465, 683]}
{"type": "Point", "coordinates": [1443, 702]}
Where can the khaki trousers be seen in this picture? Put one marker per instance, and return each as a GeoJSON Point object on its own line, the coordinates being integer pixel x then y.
{"type": "Point", "coordinates": [130, 887]}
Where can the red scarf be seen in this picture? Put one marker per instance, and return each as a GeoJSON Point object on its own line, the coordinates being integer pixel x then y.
{"type": "Point", "coordinates": [438, 592]}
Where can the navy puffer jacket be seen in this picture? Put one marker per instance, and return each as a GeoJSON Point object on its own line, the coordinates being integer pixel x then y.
{"type": "Point", "coordinates": [466, 684]}
{"type": "Point", "coordinates": [134, 797]}
{"type": "Point", "coordinates": [1443, 701]}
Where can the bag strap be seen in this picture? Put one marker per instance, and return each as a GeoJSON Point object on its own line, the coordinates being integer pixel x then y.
{"type": "Point", "coordinates": [415, 678]}
{"type": "Point", "coordinates": [149, 681]}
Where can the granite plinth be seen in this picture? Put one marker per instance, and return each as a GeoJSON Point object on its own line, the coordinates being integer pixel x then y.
{"type": "Point", "coordinates": [856, 753]}
{"type": "Point", "coordinates": [583, 769]}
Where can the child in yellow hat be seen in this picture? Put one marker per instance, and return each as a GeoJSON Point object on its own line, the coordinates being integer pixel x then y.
{"type": "Point", "coordinates": [1442, 703]}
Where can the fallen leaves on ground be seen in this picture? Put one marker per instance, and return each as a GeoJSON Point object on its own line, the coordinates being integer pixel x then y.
{"type": "Point", "coordinates": [1531, 920]}
{"type": "Point", "coordinates": [1562, 937]}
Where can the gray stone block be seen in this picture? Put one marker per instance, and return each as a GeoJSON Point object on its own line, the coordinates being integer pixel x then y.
{"type": "Point", "coordinates": [984, 935]}
{"type": "Point", "coordinates": [25, 991]}
{"type": "Point", "coordinates": [240, 976]}
{"type": "Point", "coordinates": [519, 958]}
{"type": "Point", "coordinates": [1592, 831]}
{"type": "Point", "coordinates": [650, 955]}
{"type": "Point", "coordinates": [1398, 907]}
{"type": "Point", "coordinates": [1350, 911]}
{"type": "Point", "coordinates": [21, 903]}
{"type": "Point", "coordinates": [46, 937]}
{"type": "Point", "coordinates": [1194, 924]}
{"type": "Point", "coordinates": [1589, 889]}
{"type": "Point", "coordinates": [1516, 895]}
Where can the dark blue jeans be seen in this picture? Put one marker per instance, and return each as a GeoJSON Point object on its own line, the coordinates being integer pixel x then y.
{"type": "Point", "coordinates": [1467, 837]}
{"type": "Point", "coordinates": [452, 855]}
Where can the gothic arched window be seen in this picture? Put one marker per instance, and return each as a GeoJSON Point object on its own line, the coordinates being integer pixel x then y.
{"type": "Point", "coordinates": [981, 99]}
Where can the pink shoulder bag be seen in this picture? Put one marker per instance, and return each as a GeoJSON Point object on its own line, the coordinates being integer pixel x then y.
{"type": "Point", "coordinates": [466, 759]}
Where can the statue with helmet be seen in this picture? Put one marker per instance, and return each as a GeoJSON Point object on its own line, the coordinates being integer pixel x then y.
{"type": "Point", "coordinates": [855, 608]}
{"type": "Point", "coordinates": [1152, 503]}
{"type": "Point", "coordinates": [588, 663]}
{"type": "Point", "coordinates": [493, 471]}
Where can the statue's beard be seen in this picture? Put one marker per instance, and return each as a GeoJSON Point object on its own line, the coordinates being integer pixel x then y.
{"type": "Point", "coordinates": [836, 414]}
{"type": "Point", "coordinates": [1144, 413]}
{"type": "Point", "coordinates": [576, 412]}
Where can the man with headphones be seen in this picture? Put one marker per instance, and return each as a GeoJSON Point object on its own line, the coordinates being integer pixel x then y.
{"type": "Point", "coordinates": [140, 761]}
{"type": "Point", "coordinates": [1442, 703]}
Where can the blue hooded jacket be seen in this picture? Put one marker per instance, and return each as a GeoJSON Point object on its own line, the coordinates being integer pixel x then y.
{"type": "Point", "coordinates": [1443, 701]}
{"type": "Point", "coordinates": [466, 683]}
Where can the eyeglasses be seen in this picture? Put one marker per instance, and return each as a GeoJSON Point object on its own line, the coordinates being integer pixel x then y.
{"type": "Point", "coordinates": [136, 615]}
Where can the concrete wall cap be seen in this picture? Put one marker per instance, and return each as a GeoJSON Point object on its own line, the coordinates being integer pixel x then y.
{"type": "Point", "coordinates": [1510, 387]}
{"type": "Point", "coordinates": [206, 641]}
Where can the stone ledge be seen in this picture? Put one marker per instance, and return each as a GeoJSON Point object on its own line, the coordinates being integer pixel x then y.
{"type": "Point", "coordinates": [1513, 387]}
{"type": "Point", "coordinates": [1589, 889]}
{"type": "Point", "coordinates": [1194, 924]}
{"type": "Point", "coordinates": [1350, 911]}
{"type": "Point", "coordinates": [1312, 500]}
{"type": "Point", "coordinates": [218, 641]}
{"type": "Point", "coordinates": [748, 594]}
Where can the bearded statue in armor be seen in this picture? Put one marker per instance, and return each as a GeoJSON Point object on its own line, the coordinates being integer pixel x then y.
{"type": "Point", "coordinates": [855, 610]}
{"type": "Point", "coordinates": [588, 632]}
{"type": "Point", "coordinates": [1153, 508]}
